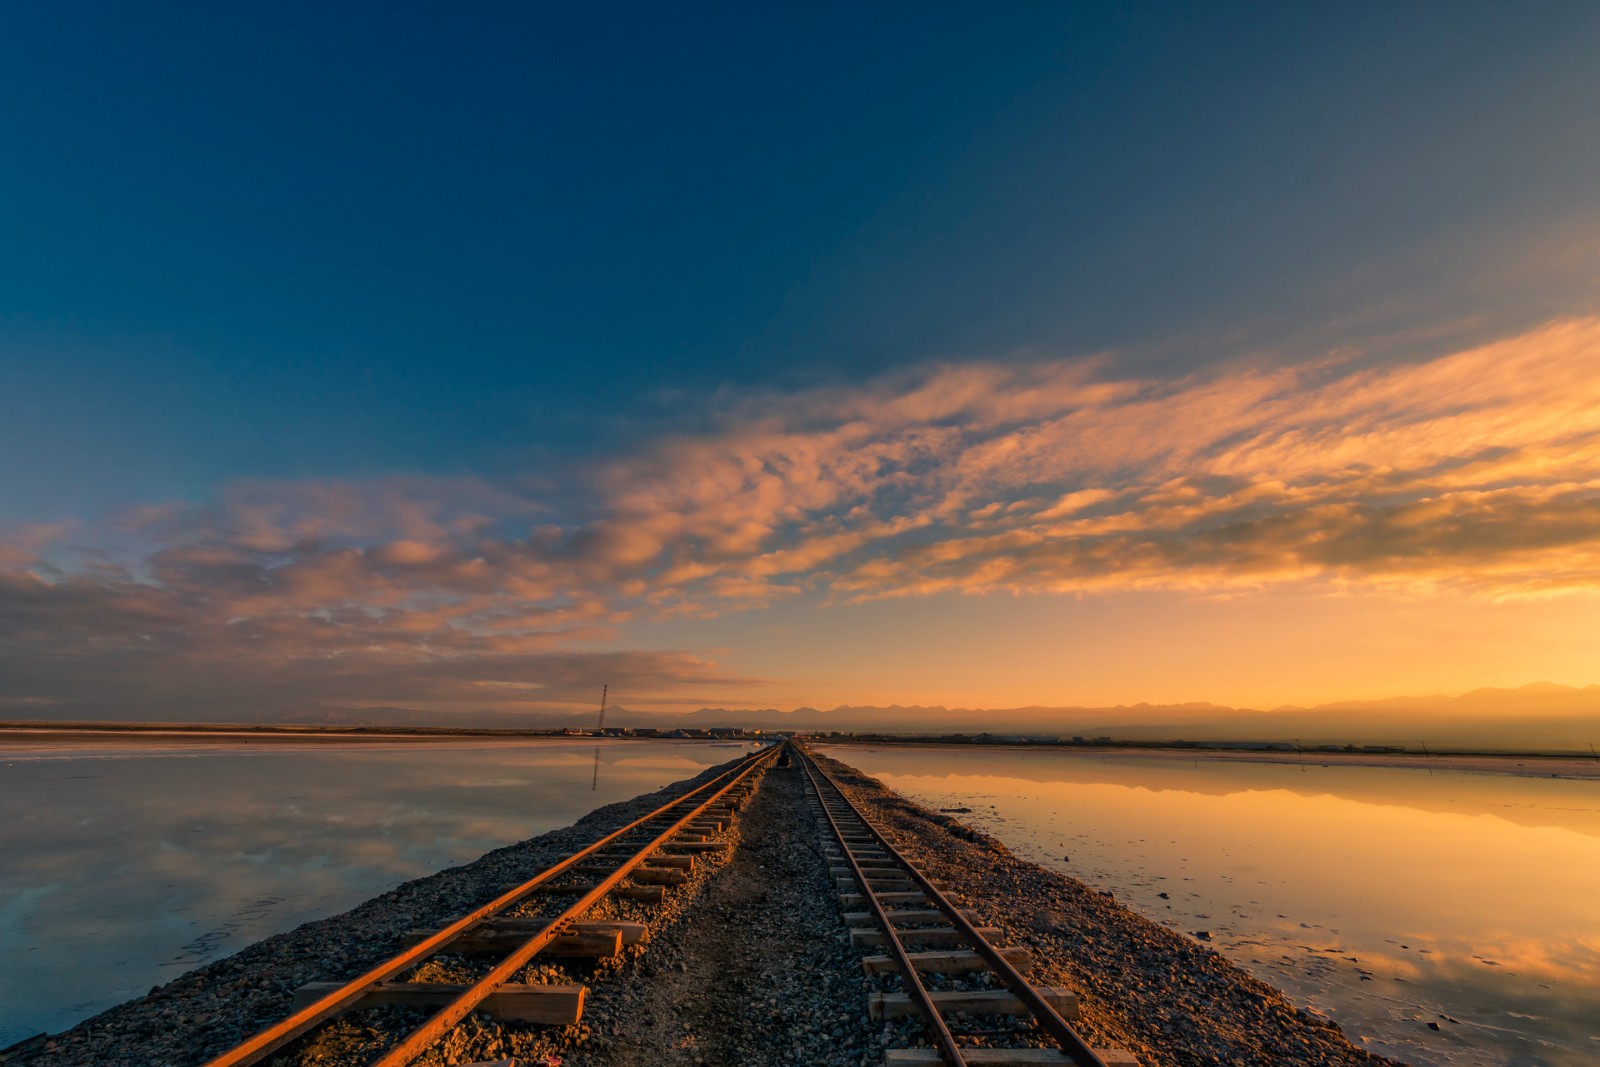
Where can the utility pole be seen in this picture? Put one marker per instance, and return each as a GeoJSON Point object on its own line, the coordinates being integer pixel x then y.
{"type": "Point", "coordinates": [594, 783]}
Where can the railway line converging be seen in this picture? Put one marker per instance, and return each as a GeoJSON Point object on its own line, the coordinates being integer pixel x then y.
{"type": "Point", "coordinates": [926, 959]}
{"type": "Point", "coordinates": [945, 962]}
{"type": "Point", "coordinates": [544, 914]}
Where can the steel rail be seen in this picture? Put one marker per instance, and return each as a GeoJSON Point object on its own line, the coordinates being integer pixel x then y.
{"type": "Point", "coordinates": [943, 1039]}
{"type": "Point", "coordinates": [1070, 1041]}
{"type": "Point", "coordinates": [418, 1041]}
{"type": "Point", "coordinates": [342, 999]}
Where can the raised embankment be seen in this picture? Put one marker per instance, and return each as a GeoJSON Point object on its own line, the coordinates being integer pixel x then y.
{"type": "Point", "coordinates": [745, 956]}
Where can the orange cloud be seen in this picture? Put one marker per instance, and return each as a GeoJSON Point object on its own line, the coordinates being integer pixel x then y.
{"type": "Point", "coordinates": [1476, 471]}
{"type": "Point", "coordinates": [1479, 469]}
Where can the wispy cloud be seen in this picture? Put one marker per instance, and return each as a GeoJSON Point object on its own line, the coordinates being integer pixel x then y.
{"type": "Point", "coordinates": [1477, 471]}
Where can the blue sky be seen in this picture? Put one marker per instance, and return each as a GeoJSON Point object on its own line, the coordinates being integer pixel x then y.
{"type": "Point", "coordinates": [499, 260]}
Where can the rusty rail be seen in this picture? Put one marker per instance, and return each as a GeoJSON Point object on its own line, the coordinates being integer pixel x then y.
{"type": "Point", "coordinates": [943, 1039]}
{"type": "Point", "coordinates": [1044, 1014]}
{"type": "Point", "coordinates": [342, 999]}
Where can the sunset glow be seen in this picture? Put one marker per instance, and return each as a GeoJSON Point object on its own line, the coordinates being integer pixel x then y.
{"type": "Point", "coordinates": [881, 395]}
{"type": "Point", "coordinates": [1461, 492]}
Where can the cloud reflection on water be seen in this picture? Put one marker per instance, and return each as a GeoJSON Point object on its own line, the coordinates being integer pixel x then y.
{"type": "Point", "coordinates": [124, 865]}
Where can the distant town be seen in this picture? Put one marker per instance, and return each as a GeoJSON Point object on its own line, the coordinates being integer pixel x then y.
{"type": "Point", "coordinates": [700, 733]}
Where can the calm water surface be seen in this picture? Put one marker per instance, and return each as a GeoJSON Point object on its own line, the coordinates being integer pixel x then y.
{"type": "Point", "coordinates": [1390, 898]}
{"type": "Point", "coordinates": [124, 865]}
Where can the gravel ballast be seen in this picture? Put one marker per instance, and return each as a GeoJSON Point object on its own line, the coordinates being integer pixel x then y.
{"type": "Point", "coordinates": [748, 963]}
{"type": "Point", "coordinates": [1141, 987]}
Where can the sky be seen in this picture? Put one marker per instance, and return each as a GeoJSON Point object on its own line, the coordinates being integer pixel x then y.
{"type": "Point", "coordinates": [782, 355]}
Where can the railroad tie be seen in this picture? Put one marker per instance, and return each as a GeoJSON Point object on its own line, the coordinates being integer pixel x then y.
{"type": "Point", "coordinates": [957, 961]}
{"type": "Point", "coordinates": [696, 846]}
{"type": "Point", "coordinates": [904, 882]}
{"type": "Point", "coordinates": [684, 862]}
{"type": "Point", "coordinates": [632, 933]}
{"type": "Point", "coordinates": [907, 917]}
{"type": "Point", "coordinates": [881, 1006]}
{"type": "Point", "coordinates": [658, 876]}
{"type": "Point", "coordinates": [869, 862]}
{"type": "Point", "coordinates": [856, 900]}
{"type": "Point", "coordinates": [1002, 1057]}
{"type": "Point", "coordinates": [925, 936]}
{"type": "Point", "coordinates": [550, 1005]}
{"type": "Point", "coordinates": [644, 894]}
{"type": "Point", "coordinates": [654, 874]}
{"type": "Point", "coordinates": [594, 944]}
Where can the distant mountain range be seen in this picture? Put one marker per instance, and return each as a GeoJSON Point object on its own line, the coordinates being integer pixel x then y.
{"type": "Point", "coordinates": [1542, 716]}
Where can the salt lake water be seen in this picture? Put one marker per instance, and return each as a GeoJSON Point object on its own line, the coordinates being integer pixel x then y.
{"type": "Point", "coordinates": [1389, 897]}
{"type": "Point", "coordinates": [124, 864]}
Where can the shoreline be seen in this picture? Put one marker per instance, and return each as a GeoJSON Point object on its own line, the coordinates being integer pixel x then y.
{"type": "Point", "coordinates": [1509, 763]}
{"type": "Point", "coordinates": [134, 733]}
{"type": "Point", "coordinates": [1525, 764]}
{"type": "Point", "coordinates": [1529, 765]}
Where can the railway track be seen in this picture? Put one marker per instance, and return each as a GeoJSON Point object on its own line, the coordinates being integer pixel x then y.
{"type": "Point", "coordinates": [928, 938]}
{"type": "Point", "coordinates": [543, 915]}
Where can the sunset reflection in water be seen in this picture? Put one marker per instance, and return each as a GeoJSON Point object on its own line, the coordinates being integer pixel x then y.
{"type": "Point", "coordinates": [1388, 897]}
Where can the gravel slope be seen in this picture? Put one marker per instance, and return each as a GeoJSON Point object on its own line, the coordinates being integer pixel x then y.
{"type": "Point", "coordinates": [212, 1008]}
{"type": "Point", "coordinates": [1169, 1000]}
{"type": "Point", "coordinates": [765, 975]}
